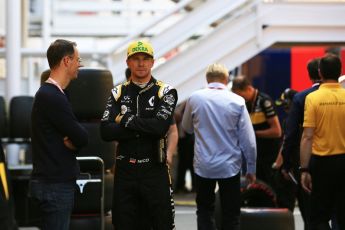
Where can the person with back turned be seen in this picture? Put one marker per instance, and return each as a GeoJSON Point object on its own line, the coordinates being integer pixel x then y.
{"type": "Point", "coordinates": [292, 140]}
{"type": "Point", "coordinates": [223, 131]}
{"type": "Point", "coordinates": [138, 115]}
{"type": "Point", "coordinates": [56, 138]}
{"type": "Point", "coordinates": [322, 152]}
{"type": "Point", "coordinates": [266, 125]}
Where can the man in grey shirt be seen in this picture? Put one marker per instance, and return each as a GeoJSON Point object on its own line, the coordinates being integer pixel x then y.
{"type": "Point", "coordinates": [223, 131]}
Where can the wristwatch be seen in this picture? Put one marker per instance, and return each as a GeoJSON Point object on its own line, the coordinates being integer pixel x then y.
{"type": "Point", "coordinates": [303, 169]}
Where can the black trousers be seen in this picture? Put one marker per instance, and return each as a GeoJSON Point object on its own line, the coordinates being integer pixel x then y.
{"type": "Point", "coordinates": [229, 190]}
{"type": "Point", "coordinates": [328, 191]}
{"type": "Point", "coordinates": [304, 202]}
{"type": "Point", "coordinates": [148, 197]}
{"type": "Point", "coordinates": [285, 190]}
{"type": "Point", "coordinates": [185, 161]}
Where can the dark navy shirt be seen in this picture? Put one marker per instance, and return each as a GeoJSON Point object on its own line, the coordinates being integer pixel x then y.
{"type": "Point", "coordinates": [293, 129]}
{"type": "Point", "coordinates": [52, 120]}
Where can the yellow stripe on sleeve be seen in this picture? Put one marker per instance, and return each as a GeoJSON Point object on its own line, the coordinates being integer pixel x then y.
{"type": "Point", "coordinates": [257, 118]}
{"type": "Point", "coordinates": [3, 179]}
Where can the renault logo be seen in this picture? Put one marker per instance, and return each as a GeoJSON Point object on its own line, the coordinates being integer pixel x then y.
{"type": "Point", "coordinates": [151, 101]}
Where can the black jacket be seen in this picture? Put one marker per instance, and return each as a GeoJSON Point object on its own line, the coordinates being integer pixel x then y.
{"type": "Point", "coordinates": [147, 114]}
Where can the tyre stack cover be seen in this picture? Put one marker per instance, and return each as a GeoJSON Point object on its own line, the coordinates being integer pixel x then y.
{"type": "Point", "coordinates": [258, 208]}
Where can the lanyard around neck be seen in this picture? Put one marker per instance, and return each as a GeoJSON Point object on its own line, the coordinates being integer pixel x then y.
{"type": "Point", "coordinates": [52, 81]}
{"type": "Point", "coordinates": [215, 88]}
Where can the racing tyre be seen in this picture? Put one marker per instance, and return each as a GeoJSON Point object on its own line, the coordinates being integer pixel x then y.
{"type": "Point", "coordinates": [98, 147]}
{"type": "Point", "coordinates": [267, 218]}
{"type": "Point", "coordinates": [258, 194]}
{"type": "Point", "coordinates": [20, 116]}
{"type": "Point", "coordinates": [3, 118]}
{"type": "Point", "coordinates": [88, 94]}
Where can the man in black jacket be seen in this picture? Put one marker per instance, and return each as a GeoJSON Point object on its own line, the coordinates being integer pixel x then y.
{"type": "Point", "coordinates": [138, 115]}
{"type": "Point", "coordinates": [56, 138]}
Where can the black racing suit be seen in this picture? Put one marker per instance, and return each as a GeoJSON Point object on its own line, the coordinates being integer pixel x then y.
{"type": "Point", "coordinates": [141, 172]}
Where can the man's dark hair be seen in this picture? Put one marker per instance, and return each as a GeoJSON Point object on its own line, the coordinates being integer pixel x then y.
{"type": "Point", "coordinates": [240, 83]}
{"type": "Point", "coordinates": [128, 73]}
{"type": "Point", "coordinates": [313, 69]}
{"type": "Point", "coordinates": [330, 67]}
{"type": "Point", "coordinates": [59, 49]}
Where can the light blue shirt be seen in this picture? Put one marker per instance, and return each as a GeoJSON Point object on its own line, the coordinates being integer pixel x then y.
{"type": "Point", "coordinates": [223, 131]}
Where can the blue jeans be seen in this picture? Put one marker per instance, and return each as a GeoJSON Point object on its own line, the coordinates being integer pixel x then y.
{"type": "Point", "coordinates": [55, 202]}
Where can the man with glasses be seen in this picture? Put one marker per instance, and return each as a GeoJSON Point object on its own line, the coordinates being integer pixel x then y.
{"type": "Point", "coordinates": [56, 138]}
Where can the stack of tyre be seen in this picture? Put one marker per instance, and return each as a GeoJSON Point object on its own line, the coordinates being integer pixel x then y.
{"type": "Point", "coordinates": [17, 143]}
{"type": "Point", "coordinates": [259, 209]}
{"type": "Point", "coordinates": [3, 118]}
{"type": "Point", "coordinates": [88, 96]}
{"type": "Point", "coordinates": [7, 219]}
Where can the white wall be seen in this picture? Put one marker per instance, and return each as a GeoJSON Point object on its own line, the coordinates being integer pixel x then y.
{"type": "Point", "coordinates": [2, 17]}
